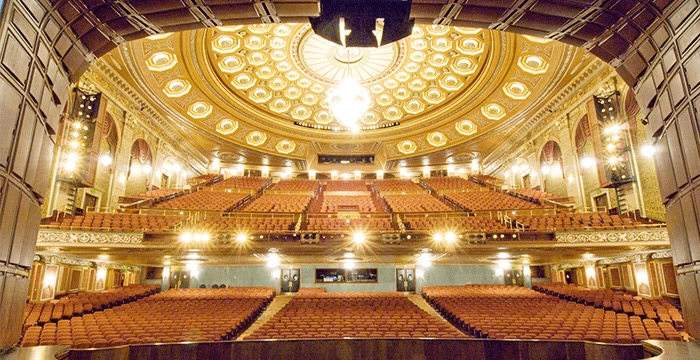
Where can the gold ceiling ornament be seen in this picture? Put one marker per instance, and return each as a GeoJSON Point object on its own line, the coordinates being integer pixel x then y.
{"type": "Point", "coordinates": [199, 110]}
{"type": "Point", "coordinates": [256, 138]}
{"type": "Point", "coordinates": [466, 127]}
{"type": "Point", "coordinates": [227, 126]}
{"type": "Point", "coordinates": [436, 139]}
{"type": "Point", "coordinates": [285, 146]}
{"type": "Point", "coordinates": [533, 64]}
{"type": "Point", "coordinates": [407, 146]}
{"type": "Point", "coordinates": [516, 90]}
{"type": "Point", "coordinates": [270, 78]}
{"type": "Point", "coordinates": [493, 111]}
{"type": "Point", "coordinates": [161, 61]}
{"type": "Point", "coordinates": [177, 88]}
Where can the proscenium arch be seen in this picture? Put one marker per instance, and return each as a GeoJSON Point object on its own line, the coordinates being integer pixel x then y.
{"type": "Point", "coordinates": [653, 45]}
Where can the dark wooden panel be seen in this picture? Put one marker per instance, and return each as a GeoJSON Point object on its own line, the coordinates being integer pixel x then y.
{"type": "Point", "coordinates": [8, 216]}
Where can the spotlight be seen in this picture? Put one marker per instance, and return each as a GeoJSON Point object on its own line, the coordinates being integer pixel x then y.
{"type": "Point", "coordinates": [241, 238]}
{"type": "Point", "coordinates": [648, 151]}
{"type": "Point", "coordinates": [186, 237]}
{"type": "Point", "coordinates": [437, 237]}
{"type": "Point", "coordinates": [450, 237]}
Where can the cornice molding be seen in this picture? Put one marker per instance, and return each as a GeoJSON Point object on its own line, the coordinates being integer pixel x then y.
{"type": "Point", "coordinates": [614, 236]}
{"type": "Point", "coordinates": [49, 237]}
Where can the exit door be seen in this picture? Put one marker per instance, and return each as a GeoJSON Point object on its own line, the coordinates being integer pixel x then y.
{"type": "Point", "coordinates": [290, 280]}
{"type": "Point", "coordinates": [406, 280]}
{"type": "Point", "coordinates": [180, 280]}
{"type": "Point", "coordinates": [513, 277]}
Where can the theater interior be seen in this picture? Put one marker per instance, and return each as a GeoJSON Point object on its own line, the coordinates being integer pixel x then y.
{"type": "Point", "coordinates": [426, 179]}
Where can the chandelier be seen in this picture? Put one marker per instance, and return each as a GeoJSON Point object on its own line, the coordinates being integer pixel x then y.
{"type": "Point", "coordinates": [348, 102]}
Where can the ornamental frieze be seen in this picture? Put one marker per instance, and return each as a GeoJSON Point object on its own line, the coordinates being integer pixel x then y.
{"type": "Point", "coordinates": [66, 237]}
{"type": "Point", "coordinates": [620, 236]}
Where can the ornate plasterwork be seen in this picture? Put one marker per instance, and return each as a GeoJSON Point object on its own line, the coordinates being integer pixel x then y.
{"type": "Point", "coordinates": [72, 237]}
{"type": "Point", "coordinates": [619, 236]}
{"type": "Point", "coordinates": [662, 254]}
{"type": "Point", "coordinates": [269, 76]}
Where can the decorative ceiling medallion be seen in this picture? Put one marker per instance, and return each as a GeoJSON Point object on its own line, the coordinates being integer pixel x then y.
{"type": "Point", "coordinates": [256, 138]}
{"type": "Point", "coordinates": [470, 46]}
{"type": "Point", "coordinates": [177, 88]}
{"type": "Point", "coordinates": [224, 44]}
{"type": "Point", "coordinates": [231, 64]}
{"type": "Point", "coordinates": [516, 90]}
{"type": "Point", "coordinates": [464, 66]}
{"type": "Point", "coordinates": [533, 64]}
{"type": "Point", "coordinates": [437, 139]}
{"type": "Point", "coordinates": [199, 110]}
{"type": "Point", "coordinates": [161, 61]}
{"type": "Point", "coordinates": [243, 81]}
{"type": "Point", "coordinates": [226, 126]}
{"type": "Point", "coordinates": [407, 147]}
{"type": "Point", "coordinates": [370, 118]}
{"type": "Point", "coordinates": [285, 146]}
{"type": "Point", "coordinates": [465, 127]}
{"type": "Point", "coordinates": [323, 117]}
{"type": "Point", "coordinates": [493, 111]}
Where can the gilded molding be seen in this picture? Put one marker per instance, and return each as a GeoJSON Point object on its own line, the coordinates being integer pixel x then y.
{"type": "Point", "coordinates": [616, 236]}
{"type": "Point", "coordinates": [71, 237]}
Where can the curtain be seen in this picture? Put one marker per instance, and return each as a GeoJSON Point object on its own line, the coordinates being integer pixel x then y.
{"type": "Point", "coordinates": [583, 134]}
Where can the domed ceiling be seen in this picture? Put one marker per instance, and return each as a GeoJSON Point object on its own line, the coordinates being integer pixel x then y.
{"type": "Point", "coordinates": [265, 87]}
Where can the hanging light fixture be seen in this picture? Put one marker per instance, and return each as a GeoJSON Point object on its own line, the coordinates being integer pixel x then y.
{"type": "Point", "coordinates": [349, 101]}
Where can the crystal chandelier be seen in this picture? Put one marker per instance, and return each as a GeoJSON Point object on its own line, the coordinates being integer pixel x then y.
{"type": "Point", "coordinates": [348, 102]}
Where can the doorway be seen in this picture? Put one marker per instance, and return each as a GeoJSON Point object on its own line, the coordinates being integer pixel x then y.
{"type": "Point", "coordinates": [290, 280]}
{"type": "Point", "coordinates": [406, 280]}
{"type": "Point", "coordinates": [180, 280]}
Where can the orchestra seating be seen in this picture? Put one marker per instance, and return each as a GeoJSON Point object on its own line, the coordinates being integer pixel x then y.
{"type": "Point", "coordinates": [158, 193]}
{"type": "Point", "coordinates": [246, 223]}
{"type": "Point", "coordinates": [83, 303]}
{"type": "Point", "coordinates": [338, 224]}
{"type": "Point", "coordinates": [335, 203]}
{"type": "Point", "coordinates": [346, 185]}
{"type": "Point", "coordinates": [487, 180]}
{"type": "Point", "coordinates": [451, 182]}
{"type": "Point", "coordinates": [171, 316]}
{"type": "Point", "coordinates": [511, 312]}
{"type": "Point", "coordinates": [206, 201]}
{"type": "Point", "coordinates": [243, 183]}
{"type": "Point", "coordinates": [532, 194]}
{"type": "Point", "coordinates": [656, 309]}
{"type": "Point", "coordinates": [114, 222]}
{"type": "Point", "coordinates": [578, 221]}
{"type": "Point", "coordinates": [356, 315]}
{"type": "Point", "coordinates": [295, 185]}
{"type": "Point", "coordinates": [416, 203]}
{"type": "Point", "coordinates": [489, 201]}
{"type": "Point", "coordinates": [202, 180]}
{"type": "Point", "coordinates": [279, 203]}
{"type": "Point", "coordinates": [456, 223]}
{"type": "Point", "coordinates": [397, 185]}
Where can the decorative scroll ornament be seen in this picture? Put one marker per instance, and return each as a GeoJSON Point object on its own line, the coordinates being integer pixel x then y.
{"type": "Point", "coordinates": [53, 236]}
{"type": "Point", "coordinates": [620, 236]}
{"type": "Point", "coordinates": [662, 254]}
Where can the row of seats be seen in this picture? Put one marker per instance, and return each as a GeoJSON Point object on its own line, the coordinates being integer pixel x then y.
{"type": "Point", "coordinates": [115, 222]}
{"type": "Point", "coordinates": [363, 315]}
{"type": "Point", "coordinates": [455, 223]}
{"type": "Point", "coordinates": [489, 200]}
{"type": "Point", "coordinates": [338, 224]}
{"type": "Point", "coordinates": [487, 180]}
{"type": "Point", "coordinates": [203, 179]}
{"type": "Point", "coordinates": [361, 203]}
{"type": "Point", "coordinates": [83, 303]}
{"type": "Point", "coordinates": [532, 194]}
{"type": "Point", "coordinates": [243, 182]}
{"type": "Point", "coordinates": [416, 203]}
{"type": "Point", "coordinates": [280, 203]}
{"type": "Point", "coordinates": [171, 316]}
{"type": "Point", "coordinates": [246, 224]}
{"type": "Point", "coordinates": [657, 309]}
{"type": "Point", "coordinates": [346, 185]}
{"type": "Point", "coordinates": [449, 183]}
{"type": "Point", "coordinates": [295, 185]}
{"type": "Point", "coordinates": [206, 201]}
{"type": "Point", "coordinates": [158, 193]}
{"type": "Point", "coordinates": [510, 312]}
{"type": "Point", "coordinates": [397, 185]}
{"type": "Point", "coordinates": [577, 221]}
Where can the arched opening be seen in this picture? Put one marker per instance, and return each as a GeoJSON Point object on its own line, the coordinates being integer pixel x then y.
{"type": "Point", "coordinates": [653, 45]}
{"type": "Point", "coordinates": [551, 167]}
{"type": "Point", "coordinates": [140, 168]}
